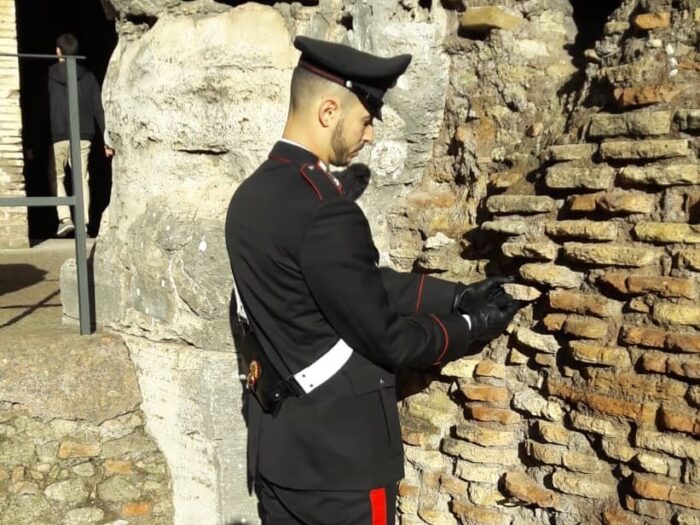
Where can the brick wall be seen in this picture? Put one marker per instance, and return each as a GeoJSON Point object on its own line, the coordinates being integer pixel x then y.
{"type": "Point", "coordinates": [13, 221]}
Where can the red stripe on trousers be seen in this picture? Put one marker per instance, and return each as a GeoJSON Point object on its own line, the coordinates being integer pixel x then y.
{"type": "Point", "coordinates": [377, 498]}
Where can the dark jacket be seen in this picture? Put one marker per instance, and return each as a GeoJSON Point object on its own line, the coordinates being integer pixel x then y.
{"type": "Point", "coordinates": [92, 117]}
{"type": "Point", "coordinates": [306, 269]}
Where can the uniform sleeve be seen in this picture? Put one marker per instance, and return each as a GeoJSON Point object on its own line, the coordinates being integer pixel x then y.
{"type": "Point", "coordinates": [413, 293]}
{"type": "Point", "coordinates": [337, 260]}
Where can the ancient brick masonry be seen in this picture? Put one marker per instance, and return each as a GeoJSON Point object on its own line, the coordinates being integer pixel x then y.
{"type": "Point", "coordinates": [592, 414]}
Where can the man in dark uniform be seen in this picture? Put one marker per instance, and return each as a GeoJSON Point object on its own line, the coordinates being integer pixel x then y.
{"type": "Point", "coordinates": [329, 324]}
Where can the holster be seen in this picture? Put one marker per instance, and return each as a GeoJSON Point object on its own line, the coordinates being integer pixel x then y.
{"type": "Point", "coordinates": [263, 379]}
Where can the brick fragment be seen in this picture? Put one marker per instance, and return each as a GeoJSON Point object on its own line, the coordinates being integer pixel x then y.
{"type": "Point", "coordinates": [584, 486]}
{"type": "Point", "coordinates": [617, 516]}
{"type": "Point", "coordinates": [661, 232]}
{"type": "Point", "coordinates": [489, 368]}
{"type": "Point", "coordinates": [71, 449]}
{"type": "Point", "coordinates": [461, 368]}
{"type": "Point", "coordinates": [628, 384]}
{"type": "Point", "coordinates": [539, 251]}
{"type": "Point", "coordinates": [479, 454]}
{"type": "Point", "coordinates": [521, 292]}
{"type": "Point", "coordinates": [661, 174]}
{"type": "Point", "coordinates": [644, 149]}
{"type": "Point", "coordinates": [635, 123]}
{"type": "Point", "coordinates": [688, 119]}
{"type": "Point", "coordinates": [506, 226]}
{"type": "Point", "coordinates": [630, 283]}
{"type": "Point", "coordinates": [583, 203]}
{"type": "Point", "coordinates": [510, 204]}
{"type": "Point", "coordinates": [650, 488]}
{"type": "Point", "coordinates": [647, 21]}
{"type": "Point", "coordinates": [533, 403]}
{"type": "Point", "coordinates": [582, 229]}
{"type": "Point", "coordinates": [585, 327]}
{"type": "Point", "coordinates": [625, 202]}
{"type": "Point", "coordinates": [678, 446]}
{"type": "Point", "coordinates": [133, 510]}
{"type": "Point", "coordinates": [116, 466]}
{"type": "Point", "coordinates": [540, 342]}
{"type": "Point", "coordinates": [495, 415]}
{"type": "Point", "coordinates": [598, 426]}
{"type": "Point", "coordinates": [599, 355]}
{"type": "Point", "coordinates": [654, 509]}
{"type": "Point", "coordinates": [484, 436]}
{"type": "Point", "coordinates": [471, 514]}
{"type": "Point", "coordinates": [663, 364]}
{"type": "Point", "coordinates": [658, 464]}
{"type": "Point", "coordinates": [655, 338]}
{"type": "Point", "coordinates": [489, 394]}
{"type": "Point", "coordinates": [486, 18]}
{"type": "Point", "coordinates": [619, 450]}
{"type": "Point", "coordinates": [551, 275]}
{"type": "Point", "coordinates": [624, 255]}
{"type": "Point", "coordinates": [480, 473]}
{"type": "Point", "coordinates": [679, 422]}
{"type": "Point", "coordinates": [567, 152]}
{"type": "Point", "coordinates": [546, 360]}
{"type": "Point", "coordinates": [570, 175]}
{"type": "Point", "coordinates": [582, 303]}
{"type": "Point", "coordinates": [669, 313]}
{"type": "Point", "coordinates": [520, 486]}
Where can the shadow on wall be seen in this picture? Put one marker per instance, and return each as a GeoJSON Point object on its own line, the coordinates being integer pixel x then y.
{"type": "Point", "coordinates": [14, 277]}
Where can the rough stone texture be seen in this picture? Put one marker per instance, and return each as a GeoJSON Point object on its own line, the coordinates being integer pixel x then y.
{"type": "Point", "coordinates": [573, 176]}
{"type": "Point", "coordinates": [567, 152]}
{"type": "Point", "coordinates": [667, 233]}
{"type": "Point", "coordinates": [487, 18]}
{"type": "Point", "coordinates": [509, 204]}
{"type": "Point", "coordinates": [541, 251]}
{"type": "Point", "coordinates": [661, 174]}
{"type": "Point", "coordinates": [644, 149]}
{"type": "Point", "coordinates": [610, 255]}
{"type": "Point", "coordinates": [582, 229]}
{"type": "Point", "coordinates": [637, 123]}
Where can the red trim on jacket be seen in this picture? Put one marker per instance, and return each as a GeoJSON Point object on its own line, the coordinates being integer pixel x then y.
{"type": "Point", "coordinates": [420, 292]}
{"type": "Point", "coordinates": [377, 499]}
{"type": "Point", "coordinates": [283, 160]}
{"type": "Point", "coordinates": [311, 183]}
{"type": "Point", "coordinates": [447, 339]}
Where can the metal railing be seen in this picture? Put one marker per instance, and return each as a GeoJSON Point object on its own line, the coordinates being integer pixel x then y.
{"type": "Point", "coordinates": [76, 200]}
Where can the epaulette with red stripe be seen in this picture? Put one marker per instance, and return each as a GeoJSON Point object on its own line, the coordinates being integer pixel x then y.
{"type": "Point", "coordinates": [324, 185]}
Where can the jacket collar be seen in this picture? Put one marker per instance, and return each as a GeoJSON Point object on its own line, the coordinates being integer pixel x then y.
{"type": "Point", "coordinates": [292, 153]}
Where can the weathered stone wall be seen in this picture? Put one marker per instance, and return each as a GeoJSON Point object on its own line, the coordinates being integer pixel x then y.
{"type": "Point", "coordinates": [13, 221]}
{"type": "Point", "coordinates": [73, 449]}
{"type": "Point", "coordinates": [580, 414]}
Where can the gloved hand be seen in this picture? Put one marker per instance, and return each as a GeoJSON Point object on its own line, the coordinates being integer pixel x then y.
{"type": "Point", "coordinates": [491, 320]}
{"type": "Point", "coordinates": [471, 298]}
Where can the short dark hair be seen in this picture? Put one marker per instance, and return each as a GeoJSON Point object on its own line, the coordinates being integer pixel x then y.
{"type": "Point", "coordinates": [67, 43]}
{"type": "Point", "coordinates": [305, 84]}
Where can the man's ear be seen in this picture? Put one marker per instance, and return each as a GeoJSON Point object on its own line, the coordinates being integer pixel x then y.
{"type": "Point", "coordinates": [328, 111]}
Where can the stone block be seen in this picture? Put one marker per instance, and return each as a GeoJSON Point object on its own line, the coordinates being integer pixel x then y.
{"type": "Point", "coordinates": [658, 464]}
{"type": "Point", "coordinates": [619, 450]}
{"type": "Point", "coordinates": [493, 415]}
{"type": "Point", "coordinates": [655, 338]}
{"type": "Point", "coordinates": [584, 303]}
{"type": "Point", "coordinates": [479, 454]}
{"type": "Point", "coordinates": [583, 486]}
{"type": "Point", "coordinates": [479, 473]}
{"type": "Point", "coordinates": [484, 19]}
{"type": "Point", "coordinates": [484, 436]}
{"type": "Point", "coordinates": [573, 176]}
{"type": "Point", "coordinates": [540, 342]}
{"type": "Point", "coordinates": [650, 488]}
{"type": "Point", "coordinates": [567, 152]}
{"type": "Point", "coordinates": [506, 227]}
{"type": "Point", "coordinates": [657, 510]}
{"type": "Point", "coordinates": [546, 360]}
{"type": "Point", "coordinates": [628, 384]}
{"type": "Point", "coordinates": [557, 434]}
{"type": "Point", "coordinates": [629, 97]}
{"type": "Point", "coordinates": [688, 119]}
{"type": "Point", "coordinates": [515, 204]}
{"type": "Point", "coordinates": [541, 251]}
{"type": "Point", "coordinates": [595, 425]}
{"type": "Point", "coordinates": [463, 368]}
{"type": "Point", "coordinates": [489, 368]}
{"type": "Point", "coordinates": [644, 149]}
{"type": "Point", "coordinates": [136, 509]}
{"type": "Point", "coordinates": [662, 364]}
{"type": "Point", "coordinates": [667, 232]}
{"type": "Point", "coordinates": [673, 314]}
{"type": "Point", "coordinates": [520, 292]}
{"type": "Point", "coordinates": [70, 491]}
{"type": "Point", "coordinates": [622, 255]}
{"type": "Point", "coordinates": [647, 21]}
{"type": "Point", "coordinates": [599, 355]}
{"type": "Point", "coordinates": [688, 259]}
{"type": "Point", "coordinates": [71, 449]}
{"type": "Point", "coordinates": [486, 393]}
{"type": "Point", "coordinates": [117, 466]}
{"type": "Point", "coordinates": [520, 486]}
{"type": "Point", "coordinates": [424, 460]}
{"type": "Point", "coordinates": [690, 517]}
{"type": "Point", "coordinates": [638, 124]}
{"type": "Point", "coordinates": [679, 422]}
{"type": "Point", "coordinates": [677, 446]}
{"type": "Point", "coordinates": [583, 203]}
{"type": "Point", "coordinates": [551, 275]}
{"type": "Point", "coordinates": [585, 327]}
{"type": "Point", "coordinates": [617, 516]}
{"type": "Point", "coordinates": [630, 283]}
{"type": "Point", "coordinates": [582, 229]}
{"type": "Point", "coordinates": [660, 174]}
{"type": "Point", "coordinates": [534, 404]}
{"type": "Point", "coordinates": [117, 489]}
{"type": "Point", "coordinates": [626, 202]}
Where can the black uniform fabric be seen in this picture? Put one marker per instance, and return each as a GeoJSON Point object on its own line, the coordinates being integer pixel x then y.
{"type": "Point", "coordinates": [306, 269]}
{"type": "Point", "coordinates": [92, 118]}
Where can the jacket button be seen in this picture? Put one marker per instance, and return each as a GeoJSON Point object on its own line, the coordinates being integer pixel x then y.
{"type": "Point", "coordinates": [381, 381]}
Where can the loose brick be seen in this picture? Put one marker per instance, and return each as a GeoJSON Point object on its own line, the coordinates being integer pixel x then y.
{"type": "Point", "coordinates": [574, 176]}
{"type": "Point", "coordinates": [71, 449]}
{"type": "Point", "coordinates": [622, 255]}
{"type": "Point", "coordinates": [486, 393]}
{"type": "Point", "coordinates": [478, 454]}
{"type": "Point", "coordinates": [667, 232]}
{"type": "Point", "coordinates": [688, 259]}
{"type": "Point", "coordinates": [625, 202]}
{"type": "Point", "coordinates": [582, 229]}
{"type": "Point", "coordinates": [520, 292]}
{"type": "Point", "coordinates": [660, 174]}
{"type": "Point", "coordinates": [506, 226]}
{"type": "Point", "coordinates": [629, 283]}
{"type": "Point", "coordinates": [487, 437]}
{"type": "Point", "coordinates": [495, 415]}
{"type": "Point", "coordinates": [488, 368]}
{"type": "Point", "coordinates": [669, 313]}
{"type": "Point", "coordinates": [520, 486]}
{"type": "Point", "coordinates": [637, 123]}
{"type": "Point", "coordinates": [551, 275]}
{"type": "Point", "coordinates": [644, 149]}
{"type": "Point", "coordinates": [583, 486]}
{"type": "Point", "coordinates": [582, 303]}
{"type": "Point", "coordinates": [599, 355]}
{"type": "Point", "coordinates": [133, 510]}
{"type": "Point", "coordinates": [540, 251]}
{"type": "Point", "coordinates": [649, 488]}
{"type": "Point", "coordinates": [598, 426]}
{"type": "Point", "coordinates": [510, 204]}
{"type": "Point", "coordinates": [678, 422]}
{"type": "Point", "coordinates": [639, 305]}
{"type": "Point", "coordinates": [677, 446]}
{"type": "Point", "coordinates": [649, 21]}
{"type": "Point", "coordinates": [567, 152]}
{"type": "Point", "coordinates": [662, 364]}
{"type": "Point", "coordinates": [540, 342]}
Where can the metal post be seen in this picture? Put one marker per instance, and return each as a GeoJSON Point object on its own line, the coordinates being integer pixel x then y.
{"type": "Point", "coordinates": [77, 171]}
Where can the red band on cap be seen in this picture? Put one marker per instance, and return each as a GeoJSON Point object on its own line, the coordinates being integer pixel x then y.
{"type": "Point", "coordinates": [322, 73]}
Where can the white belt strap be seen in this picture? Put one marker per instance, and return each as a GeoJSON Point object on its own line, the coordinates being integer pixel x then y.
{"type": "Point", "coordinates": [240, 311]}
{"type": "Point", "coordinates": [324, 367]}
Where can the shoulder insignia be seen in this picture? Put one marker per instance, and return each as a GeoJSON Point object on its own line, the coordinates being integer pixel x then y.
{"type": "Point", "coordinates": [324, 185]}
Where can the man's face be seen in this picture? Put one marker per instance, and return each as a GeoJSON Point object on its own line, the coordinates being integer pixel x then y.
{"type": "Point", "coordinates": [351, 133]}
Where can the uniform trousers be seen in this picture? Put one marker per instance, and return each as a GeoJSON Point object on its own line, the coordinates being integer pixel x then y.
{"type": "Point", "coordinates": [283, 506]}
{"type": "Point", "coordinates": [58, 162]}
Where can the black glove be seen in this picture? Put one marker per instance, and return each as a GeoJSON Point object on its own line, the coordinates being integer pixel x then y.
{"type": "Point", "coordinates": [472, 298]}
{"type": "Point", "coordinates": [491, 320]}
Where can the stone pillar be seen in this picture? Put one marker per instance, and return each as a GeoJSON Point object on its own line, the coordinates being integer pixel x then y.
{"type": "Point", "coordinates": [13, 221]}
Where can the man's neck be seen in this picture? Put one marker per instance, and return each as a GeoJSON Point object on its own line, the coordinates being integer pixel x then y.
{"type": "Point", "coordinates": [293, 134]}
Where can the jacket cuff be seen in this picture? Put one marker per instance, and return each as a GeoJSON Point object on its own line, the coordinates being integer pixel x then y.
{"type": "Point", "coordinates": [436, 296]}
{"type": "Point", "coordinates": [456, 335]}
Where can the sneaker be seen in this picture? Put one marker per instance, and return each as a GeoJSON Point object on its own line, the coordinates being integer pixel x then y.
{"type": "Point", "coordinates": [65, 228]}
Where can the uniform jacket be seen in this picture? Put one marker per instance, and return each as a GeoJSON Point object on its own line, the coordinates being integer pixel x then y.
{"type": "Point", "coordinates": [306, 269]}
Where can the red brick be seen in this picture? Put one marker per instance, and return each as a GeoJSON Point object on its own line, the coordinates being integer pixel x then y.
{"type": "Point", "coordinates": [656, 338]}
{"type": "Point", "coordinates": [583, 203]}
{"type": "Point", "coordinates": [490, 369]}
{"type": "Point", "coordinates": [133, 510]}
{"type": "Point", "coordinates": [664, 286]}
{"type": "Point", "coordinates": [486, 393]}
{"type": "Point", "coordinates": [497, 415]}
{"type": "Point", "coordinates": [661, 364]}
{"type": "Point", "coordinates": [676, 421]}
{"type": "Point", "coordinates": [649, 488]}
{"type": "Point", "coordinates": [522, 487]}
{"type": "Point", "coordinates": [649, 21]}
{"type": "Point", "coordinates": [643, 95]}
{"type": "Point", "coordinates": [618, 516]}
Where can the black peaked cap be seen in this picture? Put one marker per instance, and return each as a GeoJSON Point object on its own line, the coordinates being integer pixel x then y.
{"type": "Point", "coordinates": [367, 76]}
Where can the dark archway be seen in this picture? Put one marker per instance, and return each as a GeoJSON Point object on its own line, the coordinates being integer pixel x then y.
{"type": "Point", "coordinates": [39, 22]}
